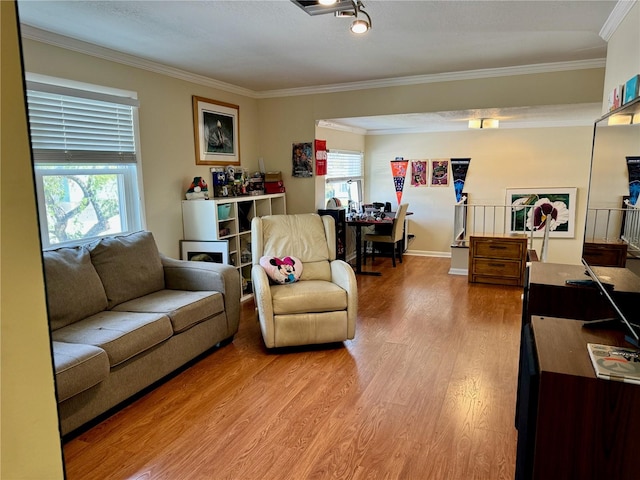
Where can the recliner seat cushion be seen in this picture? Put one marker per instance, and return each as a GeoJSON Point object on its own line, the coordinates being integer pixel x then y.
{"type": "Point", "coordinates": [308, 296]}
{"type": "Point", "coordinates": [74, 289]}
{"type": "Point", "coordinates": [78, 368]}
{"type": "Point", "coordinates": [129, 266]}
{"type": "Point", "coordinates": [183, 308]}
{"type": "Point", "coordinates": [122, 335]}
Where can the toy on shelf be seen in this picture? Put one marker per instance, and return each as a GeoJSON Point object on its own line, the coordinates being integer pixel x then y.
{"type": "Point", "coordinates": [198, 190]}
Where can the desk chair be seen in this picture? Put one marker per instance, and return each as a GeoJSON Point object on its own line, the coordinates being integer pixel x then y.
{"type": "Point", "coordinates": [394, 237]}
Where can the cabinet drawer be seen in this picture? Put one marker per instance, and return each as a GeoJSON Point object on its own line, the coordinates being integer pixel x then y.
{"type": "Point", "coordinates": [605, 255]}
{"type": "Point", "coordinates": [497, 267]}
{"type": "Point", "coordinates": [499, 249]}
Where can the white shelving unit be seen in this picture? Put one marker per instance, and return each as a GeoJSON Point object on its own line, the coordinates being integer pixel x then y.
{"type": "Point", "coordinates": [201, 222]}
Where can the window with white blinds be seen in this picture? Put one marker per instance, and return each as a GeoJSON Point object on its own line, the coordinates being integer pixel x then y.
{"type": "Point", "coordinates": [76, 129]}
{"type": "Point", "coordinates": [344, 165]}
{"type": "Point", "coordinates": [345, 176]}
{"type": "Point", "coordinates": [86, 163]}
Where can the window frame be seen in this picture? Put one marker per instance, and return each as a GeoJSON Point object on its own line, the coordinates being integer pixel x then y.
{"type": "Point", "coordinates": [338, 180]}
{"type": "Point", "coordinates": [127, 166]}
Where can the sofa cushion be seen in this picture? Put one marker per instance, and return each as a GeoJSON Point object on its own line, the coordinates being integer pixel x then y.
{"type": "Point", "coordinates": [78, 368]}
{"type": "Point", "coordinates": [306, 297]}
{"type": "Point", "coordinates": [183, 308]}
{"type": "Point", "coordinates": [121, 334]}
{"type": "Point", "coordinates": [129, 266]}
{"type": "Point", "coordinates": [74, 289]}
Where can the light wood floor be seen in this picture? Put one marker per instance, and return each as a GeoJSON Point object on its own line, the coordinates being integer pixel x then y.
{"type": "Point", "coordinates": [426, 390]}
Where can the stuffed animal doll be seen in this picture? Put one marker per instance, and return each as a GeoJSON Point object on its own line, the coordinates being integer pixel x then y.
{"type": "Point", "coordinates": [198, 189]}
{"type": "Point", "coordinates": [282, 270]}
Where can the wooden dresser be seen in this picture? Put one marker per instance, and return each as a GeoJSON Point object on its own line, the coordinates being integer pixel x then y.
{"type": "Point", "coordinates": [498, 259]}
{"type": "Point", "coordinates": [605, 254]}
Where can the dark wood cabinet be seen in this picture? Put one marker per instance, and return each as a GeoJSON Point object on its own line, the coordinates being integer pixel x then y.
{"type": "Point", "coordinates": [570, 423]}
{"type": "Point", "coordinates": [547, 293]}
{"type": "Point", "coordinates": [606, 254]}
{"type": "Point", "coordinates": [339, 216]}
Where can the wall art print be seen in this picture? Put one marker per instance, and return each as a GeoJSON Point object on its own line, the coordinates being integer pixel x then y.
{"type": "Point", "coordinates": [419, 173]}
{"type": "Point", "coordinates": [535, 209]}
{"type": "Point", "coordinates": [302, 159]}
{"type": "Point", "coordinates": [215, 131]}
{"type": "Point", "coordinates": [440, 172]}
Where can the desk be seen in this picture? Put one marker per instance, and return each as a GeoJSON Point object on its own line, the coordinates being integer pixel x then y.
{"type": "Point", "coordinates": [365, 222]}
{"type": "Point", "coordinates": [570, 423]}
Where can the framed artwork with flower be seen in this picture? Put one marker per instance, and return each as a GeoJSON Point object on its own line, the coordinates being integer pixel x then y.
{"type": "Point", "coordinates": [534, 210]}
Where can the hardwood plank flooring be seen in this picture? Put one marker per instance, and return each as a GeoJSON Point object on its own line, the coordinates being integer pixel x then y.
{"type": "Point", "coordinates": [426, 390]}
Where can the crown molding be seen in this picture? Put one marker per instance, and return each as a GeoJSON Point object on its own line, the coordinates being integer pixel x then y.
{"type": "Point", "coordinates": [86, 48]}
{"type": "Point", "coordinates": [338, 126]}
{"type": "Point", "coordinates": [438, 77]}
{"type": "Point", "coordinates": [615, 18]}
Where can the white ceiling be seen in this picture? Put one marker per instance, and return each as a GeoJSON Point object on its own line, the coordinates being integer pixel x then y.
{"type": "Point", "coordinates": [266, 48]}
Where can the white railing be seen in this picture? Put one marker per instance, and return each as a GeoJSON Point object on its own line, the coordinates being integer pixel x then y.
{"type": "Point", "coordinates": [489, 220]}
{"type": "Point", "coordinates": [631, 230]}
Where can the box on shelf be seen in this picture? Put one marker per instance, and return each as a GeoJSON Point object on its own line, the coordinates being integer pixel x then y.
{"type": "Point", "coordinates": [614, 100]}
{"type": "Point", "coordinates": [631, 89]}
{"type": "Point", "coordinates": [274, 187]}
{"type": "Point", "coordinates": [273, 177]}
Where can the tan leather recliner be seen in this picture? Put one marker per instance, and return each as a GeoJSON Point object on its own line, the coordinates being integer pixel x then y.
{"type": "Point", "coordinates": [321, 307]}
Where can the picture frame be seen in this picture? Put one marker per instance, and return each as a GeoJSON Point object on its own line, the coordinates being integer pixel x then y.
{"type": "Point", "coordinates": [523, 202]}
{"type": "Point", "coordinates": [214, 251]}
{"type": "Point", "coordinates": [440, 172]}
{"type": "Point", "coordinates": [215, 132]}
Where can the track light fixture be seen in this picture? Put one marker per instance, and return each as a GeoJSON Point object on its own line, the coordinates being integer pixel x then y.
{"type": "Point", "coordinates": [340, 8]}
{"type": "Point", "coordinates": [359, 25]}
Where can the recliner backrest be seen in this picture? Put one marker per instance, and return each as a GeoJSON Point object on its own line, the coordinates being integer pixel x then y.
{"type": "Point", "coordinates": [305, 236]}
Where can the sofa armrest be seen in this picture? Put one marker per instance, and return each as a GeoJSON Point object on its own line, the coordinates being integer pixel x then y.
{"type": "Point", "coordinates": [207, 276]}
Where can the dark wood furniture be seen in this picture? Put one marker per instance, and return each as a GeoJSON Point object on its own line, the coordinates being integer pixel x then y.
{"type": "Point", "coordinates": [339, 215]}
{"type": "Point", "coordinates": [498, 259]}
{"type": "Point", "coordinates": [606, 254]}
{"type": "Point", "coordinates": [547, 293]}
{"type": "Point", "coordinates": [570, 423]}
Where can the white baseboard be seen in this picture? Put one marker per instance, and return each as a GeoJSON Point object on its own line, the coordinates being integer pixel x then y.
{"type": "Point", "coordinates": [426, 253]}
{"type": "Point", "coordinates": [459, 271]}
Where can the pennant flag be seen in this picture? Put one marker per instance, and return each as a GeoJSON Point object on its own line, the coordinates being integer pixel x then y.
{"type": "Point", "coordinates": [459, 167]}
{"type": "Point", "coordinates": [633, 165]}
{"type": "Point", "coordinates": [399, 172]}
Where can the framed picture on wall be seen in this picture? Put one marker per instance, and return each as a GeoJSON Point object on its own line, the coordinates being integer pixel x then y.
{"type": "Point", "coordinates": [539, 208]}
{"type": "Point", "coordinates": [214, 251]}
{"type": "Point", "coordinates": [215, 131]}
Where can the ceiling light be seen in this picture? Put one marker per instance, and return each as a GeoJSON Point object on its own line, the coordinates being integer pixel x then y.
{"type": "Point", "coordinates": [360, 26]}
{"type": "Point", "coordinates": [326, 2]}
{"type": "Point", "coordinates": [484, 123]}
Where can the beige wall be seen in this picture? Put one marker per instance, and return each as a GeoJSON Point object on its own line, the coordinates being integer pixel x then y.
{"type": "Point", "coordinates": [500, 159]}
{"type": "Point", "coordinates": [287, 120]}
{"type": "Point", "coordinates": [30, 441]}
{"type": "Point", "coordinates": [166, 128]}
{"type": "Point", "coordinates": [623, 53]}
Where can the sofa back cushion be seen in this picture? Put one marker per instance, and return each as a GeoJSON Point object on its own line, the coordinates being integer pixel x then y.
{"type": "Point", "coordinates": [129, 266]}
{"type": "Point", "coordinates": [74, 289]}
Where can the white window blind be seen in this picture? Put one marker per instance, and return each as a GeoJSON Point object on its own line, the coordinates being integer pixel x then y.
{"type": "Point", "coordinates": [344, 165]}
{"type": "Point", "coordinates": [69, 129]}
{"type": "Point", "coordinates": [86, 163]}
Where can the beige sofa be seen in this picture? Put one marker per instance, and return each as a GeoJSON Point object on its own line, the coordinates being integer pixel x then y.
{"type": "Point", "coordinates": [122, 317]}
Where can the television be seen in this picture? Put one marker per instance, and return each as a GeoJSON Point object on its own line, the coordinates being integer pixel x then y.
{"type": "Point", "coordinates": [629, 320]}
